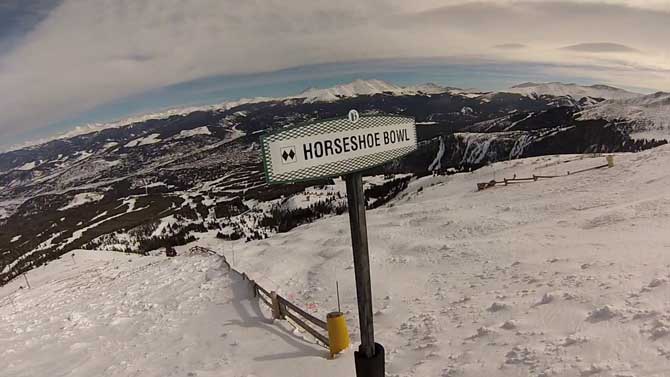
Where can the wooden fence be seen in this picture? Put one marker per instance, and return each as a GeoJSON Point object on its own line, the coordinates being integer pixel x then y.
{"type": "Point", "coordinates": [508, 181]}
{"type": "Point", "coordinates": [281, 307]}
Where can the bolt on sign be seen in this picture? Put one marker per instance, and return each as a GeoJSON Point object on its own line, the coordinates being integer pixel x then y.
{"type": "Point", "coordinates": [336, 147]}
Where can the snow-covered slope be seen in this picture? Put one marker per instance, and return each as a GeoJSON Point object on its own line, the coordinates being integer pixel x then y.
{"type": "Point", "coordinates": [651, 113]}
{"type": "Point", "coordinates": [108, 314]}
{"type": "Point", "coordinates": [573, 90]}
{"type": "Point", "coordinates": [565, 277]}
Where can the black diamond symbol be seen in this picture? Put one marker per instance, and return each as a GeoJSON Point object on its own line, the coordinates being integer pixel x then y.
{"type": "Point", "coordinates": [288, 155]}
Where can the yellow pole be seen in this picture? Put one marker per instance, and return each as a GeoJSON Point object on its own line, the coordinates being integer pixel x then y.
{"type": "Point", "coordinates": [338, 335]}
{"type": "Point", "coordinates": [610, 161]}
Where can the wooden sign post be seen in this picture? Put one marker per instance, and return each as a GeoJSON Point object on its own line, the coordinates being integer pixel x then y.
{"type": "Point", "coordinates": [359, 244]}
{"type": "Point", "coordinates": [344, 147]}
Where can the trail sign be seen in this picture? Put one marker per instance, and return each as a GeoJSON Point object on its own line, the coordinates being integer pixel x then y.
{"type": "Point", "coordinates": [344, 147]}
{"type": "Point", "coordinates": [336, 147]}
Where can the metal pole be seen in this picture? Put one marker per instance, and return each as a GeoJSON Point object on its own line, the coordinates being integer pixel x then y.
{"type": "Point", "coordinates": [359, 242]}
{"type": "Point", "coordinates": [27, 282]}
{"type": "Point", "coordinates": [337, 288]}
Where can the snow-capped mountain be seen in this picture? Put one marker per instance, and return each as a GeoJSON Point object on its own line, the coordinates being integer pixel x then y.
{"type": "Point", "coordinates": [427, 88]}
{"type": "Point", "coordinates": [368, 87]}
{"type": "Point", "coordinates": [571, 90]}
{"type": "Point", "coordinates": [650, 114]}
{"type": "Point", "coordinates": [588, 94]}
{"type": "Point", "coordinates": [349, 90]}
{"type": "Point", "coordinates": [89, 128]}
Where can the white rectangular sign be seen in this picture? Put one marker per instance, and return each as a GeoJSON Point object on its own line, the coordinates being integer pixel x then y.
{"type": "Point", "coordinates": [336, 147]}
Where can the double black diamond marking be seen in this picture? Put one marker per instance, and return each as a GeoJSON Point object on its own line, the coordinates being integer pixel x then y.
{"type": "Point", "coordinates": [288, 155]}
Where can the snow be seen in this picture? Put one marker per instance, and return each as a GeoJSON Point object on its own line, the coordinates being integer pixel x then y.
{"type": "Point", "coordinates": [476, 146]}
{"type": "Point", "coordinates": [352, 89]}
{"type": "Point", "coordinates": [428, 88]}
{"type": "Point", "coordinates": [15, 238]}
{"type": "Point", "coordinates": [110, 145]}
{"type": "Point", "coordinates": [77, 234]}
{"type": "Point", "coordinates": [355, 88]}
{"type": "Point", "coordinates": [97, 127]}
{"type": "Point", "coordinates": [81, 199]}
{"type": "Point", "coordinates": [559, 277]}
{"type": "Point", "coordinates": [193, 132]}
{"type": "Point", "coordinates": [96, 313]}
{"type": "Point", "coordinates": [27, 166]}
{"type": "Point", "coordinates": [437, 162]}
{"type": "Point", "coordinates": [562, 277]}
{"type": "Point", "coordinates": [42, 246]}
{"type": "Point", "coordinates": [83, 155]}
{"type": "Point", "coordinates": [147, 140]}
{"type": "Point", "coordinates": [163, 225]}
{"type": "Point", "coordinates": [367, 87]}
{"type": "Point", "coordinates": [571, 90]}
{"type": "Point", "coordinates": [99, 216]}
{"type": "Point", "coordinates": [652, 112]}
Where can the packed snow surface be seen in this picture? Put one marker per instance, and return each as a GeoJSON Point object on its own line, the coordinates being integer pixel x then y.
{"type": "Point", "coordinates": [573, 90]}
{"type": "Point", "coordinates": [109, 314]}
{"type": "Point", "coordinates": [562, 277]}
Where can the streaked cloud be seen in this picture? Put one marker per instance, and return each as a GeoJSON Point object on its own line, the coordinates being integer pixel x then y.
{"type": "Point", "coordinates": [510, 46]}
{"type": "Point", "coordinates": [599, 47]}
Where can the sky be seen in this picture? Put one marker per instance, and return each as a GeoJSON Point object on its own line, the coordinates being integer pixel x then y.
{"type": "Point", "coordinates": [65, 62]}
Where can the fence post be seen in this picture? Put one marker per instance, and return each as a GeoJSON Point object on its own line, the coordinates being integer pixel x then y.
{"type": "Point", "coordinates": [276, 309]}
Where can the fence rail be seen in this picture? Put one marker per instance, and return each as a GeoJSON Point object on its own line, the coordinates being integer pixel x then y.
{"type": "Point", "coordinates": [507, 181]}
{"type": "Point", "coordinates": [281, 307]}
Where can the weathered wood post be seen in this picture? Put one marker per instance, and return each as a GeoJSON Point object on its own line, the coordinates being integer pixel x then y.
{"type": "Point", "coordinates": [369, 358]}
{"type": "Point", "coordinates": [276, 308]}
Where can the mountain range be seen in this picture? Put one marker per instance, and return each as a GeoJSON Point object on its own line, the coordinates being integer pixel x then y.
{"type": "Point", "coordinates": [163, 179]}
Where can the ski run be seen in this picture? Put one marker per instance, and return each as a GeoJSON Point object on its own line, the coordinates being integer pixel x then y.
{"type": "Point", "coordinates": [562, 277]}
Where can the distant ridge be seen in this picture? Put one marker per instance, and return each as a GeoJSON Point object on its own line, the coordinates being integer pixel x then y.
{"type": "Point", "coordinates": [572, 90]}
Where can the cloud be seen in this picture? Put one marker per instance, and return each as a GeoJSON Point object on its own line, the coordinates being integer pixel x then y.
{"type": "Point", "coordinates": [89, 52]}
{"type": "Point", "coordinates": [599, 47]}
{"type": "Point", "coordinates": [18, 17]}
{"type": "Point", "coordinates": [510, 46]}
